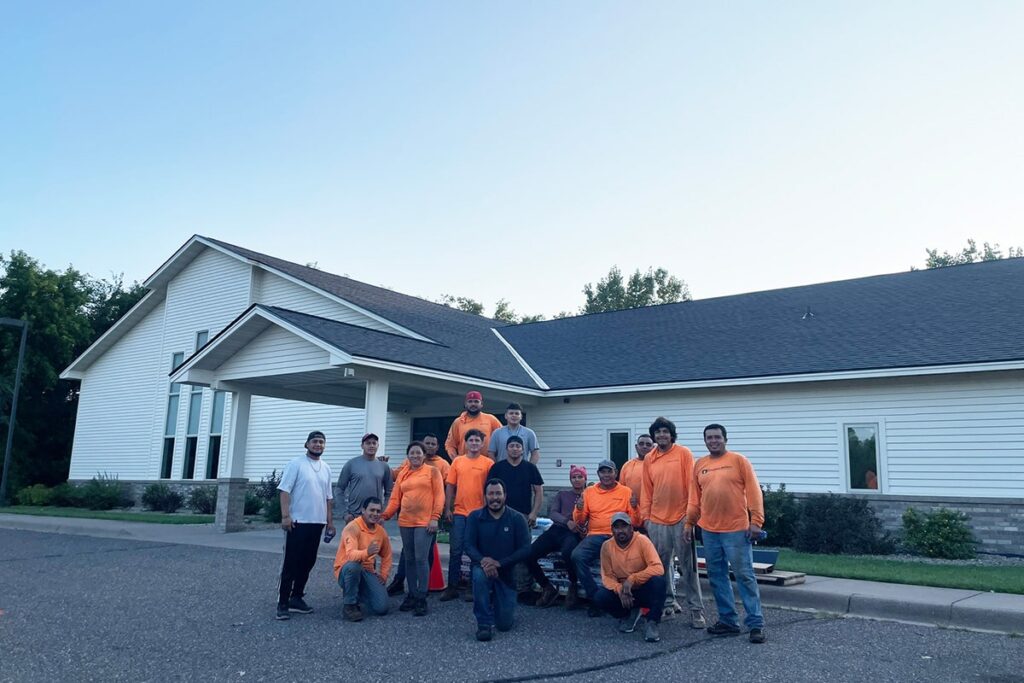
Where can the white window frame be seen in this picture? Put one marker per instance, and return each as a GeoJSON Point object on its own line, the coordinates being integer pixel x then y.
{"type": "Point", "coordinates": [628, 431]}
{"type": "Point", "coordinates": [880, 453]}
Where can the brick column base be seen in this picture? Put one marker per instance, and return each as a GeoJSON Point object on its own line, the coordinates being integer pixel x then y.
{"type": "Point", "coordinates": [230, 504]}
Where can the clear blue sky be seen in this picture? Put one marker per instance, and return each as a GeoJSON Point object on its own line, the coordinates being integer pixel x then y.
{"type": "Point", "coordinates": [514, 150]}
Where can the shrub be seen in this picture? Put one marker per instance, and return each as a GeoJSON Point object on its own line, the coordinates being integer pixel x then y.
{"type": "Point", "coordinates": [267, 491]}
{"type": "Point", "coordinates": [105, 492]}
{"type": "Point", "coordinates": [253, 503]}
{"type": "Point", "coordinates": [840, 525]}
{"type": "Point", "coordinates": [161, 498]}
{"type": "Point", "coordinates": [272, 510]}
{"type": "Point", "coordinates": [37, 494]}
{"type": "Point", "coordinates": [202, 500]}
{"type": "Point", "coordinates": [943, 533]}
{"type": "Point", "coordinates": [66, 495]}
{"type": "Point", "coordinates": [781, 514]}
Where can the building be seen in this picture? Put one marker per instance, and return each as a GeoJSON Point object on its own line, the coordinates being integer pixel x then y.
{"type": "Point", "coordinates": [905, 388]}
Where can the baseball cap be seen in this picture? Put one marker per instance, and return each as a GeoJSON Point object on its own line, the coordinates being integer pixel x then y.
{"type": "Point", "coordinates": [369, 435]}
{"type": "Point", "coordinates": [474, 394]}
{"type": "Point", "coordinates": [621, 517]}
{"type": "Point", "coordinates": [314, 434]}
{"type": "Point", "coordinates": [606, 463]}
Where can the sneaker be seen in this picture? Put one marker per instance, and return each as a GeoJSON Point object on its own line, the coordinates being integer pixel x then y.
{"type": "Point", "coordinates": [352, 613]}
{"type": "Point", "coordinates": [572, 599]}
{"type": "Point", "coordinates": [299, 605]}
{"type": "Point", "coordinates": [668, 612]}
{"type": "Point", "coordinates": [548, 597]}
{"type": "Point", "coordinates": [720, 629]}
{"type": "Point", "coordinates": [408, 604]}
{"type": "Point", "coordinates": [484, 633]}
{"type": "Point", "coordinates": [421, 608]}
{"type": "Point", "coordinates": [757, 635]}
{"type": "Point", "coordinates": [697, 619]}
{"type": "Point", "coordinates": [651, 634]}
{"type": "Point", "coordinates": [629, 623]}
{"type": "Point", "coordinates": [282, 613]}
{"type": "Point", "coordinates": [594, 611]}
{"type": "Point", "coordinates": [450, 593]}
{"type": "Point", "coordinates": [396, 588]}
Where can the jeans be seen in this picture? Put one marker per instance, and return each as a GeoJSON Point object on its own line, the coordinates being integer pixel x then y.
{"type": "Point", "coordinates": [415, 548]}
{"type": "Point", "coordinates": [650, 594]}
{"type": "Point", "coordinates": [362, 586]}
{"type": "Point", "coordinates": [556, 538]}
{"type": "Point", "coordinates": [668, 540]}
{"type": "Point", "coordinates": [400, 572]}
{"type": "Point", "coordinates": [733, 548]}
{"type": "Point", "coordinates": [494, 601]}
{"type": "Point", "coordinates": [585, 558]}
{"type": "Point", "coordinates": [300, 546]}
{"type": "Point", "coordinates": [457, 540]}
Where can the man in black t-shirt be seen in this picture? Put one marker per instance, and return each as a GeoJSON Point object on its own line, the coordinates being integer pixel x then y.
{"type": "Point", "coordinates": [524, 486]}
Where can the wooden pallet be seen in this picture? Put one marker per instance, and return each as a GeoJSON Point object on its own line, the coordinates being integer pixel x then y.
{"type": "Point", "coordinates": [774, 578]}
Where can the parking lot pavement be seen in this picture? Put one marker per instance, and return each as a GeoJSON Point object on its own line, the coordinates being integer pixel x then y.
{"type": "Point", "coordinates": [82, 608]}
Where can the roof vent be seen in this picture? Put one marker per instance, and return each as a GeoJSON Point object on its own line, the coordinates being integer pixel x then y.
{"type": "Point", "coordinates": [808, 315]}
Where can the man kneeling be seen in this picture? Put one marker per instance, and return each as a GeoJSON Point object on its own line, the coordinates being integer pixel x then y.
{"type": "Point", "coordinates": [497, 537]}
{"type": "Point", "coordinates": [364, 543]}
{"type": "Point", "coordinates": [633, 577]}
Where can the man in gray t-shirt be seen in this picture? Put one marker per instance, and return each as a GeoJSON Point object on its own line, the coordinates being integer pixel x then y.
{"type": "Point", "coordinates": [363, 477]}
{"type": "Point", "coordinates": [498, 444]}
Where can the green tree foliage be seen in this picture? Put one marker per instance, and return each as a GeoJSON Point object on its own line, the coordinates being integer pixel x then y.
{"type": "Point", "coordinates": [614, 293]}
{"type": "Point", "coordinates": [503, 312]}
{"type": "Point", "coordinates": [463, 303]}
{"type": "Point", "coordinates": [66, 311]}
{"type": "Point", "coordinates": [969, 254]}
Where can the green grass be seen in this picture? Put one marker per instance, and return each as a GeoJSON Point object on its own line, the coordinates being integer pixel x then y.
{"type": "Point", "coordinates": [1007, 579]}
{"type": "Point", "coordinates": [117, 515]}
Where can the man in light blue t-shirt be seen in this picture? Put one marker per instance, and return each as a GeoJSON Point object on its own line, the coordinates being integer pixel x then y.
{"type": "Point", "coordinates": [497, 448]}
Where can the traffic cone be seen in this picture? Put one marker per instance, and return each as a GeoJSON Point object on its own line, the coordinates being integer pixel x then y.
{"type": "Point", "coordinates": [436, 580]}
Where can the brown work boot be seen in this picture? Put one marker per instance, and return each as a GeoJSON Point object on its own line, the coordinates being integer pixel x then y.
{"type": "Point", "coordinates": [450, 593]}
{"type": "Point", "coordinates": [548, 597]}
{"type": "Point", "coordinates": [572, 598]}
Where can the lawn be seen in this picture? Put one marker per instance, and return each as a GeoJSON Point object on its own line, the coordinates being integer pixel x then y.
{"type": "Point", "coordinates": [117, 515]}
{"type": "Point", "coordinates": [1001, 579]}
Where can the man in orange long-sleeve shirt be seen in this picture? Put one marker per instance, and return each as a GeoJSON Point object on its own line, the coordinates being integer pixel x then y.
{"type": "Point", "coordinates": [725, 499]}
{"type": "Point", "coordinates": [472, 417]}
{"type": "Point", "coordinates": [633, 577]}
{"type": "Point", "coordinates": [363, 543]}
{"type": "Point", "coordinates": [464, 492]}
{"type": "Point", "coordinates": [667, 472]}
{"type": "Point", "coordinates": [596, 507]}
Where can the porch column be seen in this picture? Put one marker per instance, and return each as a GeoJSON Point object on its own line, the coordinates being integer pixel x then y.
{"type": "Point", "coordinates": [231, 488]}
{"type": "Point", "coordinates": [377, 410]}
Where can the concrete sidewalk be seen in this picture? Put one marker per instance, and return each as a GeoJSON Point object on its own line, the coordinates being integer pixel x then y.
{"type": "Point", "coordinates": [945, 607]}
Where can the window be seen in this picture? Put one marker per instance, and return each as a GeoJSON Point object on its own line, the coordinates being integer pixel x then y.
{"type": "Point", "coordinates": [195, 409]}
{"type": "Point", "coordinates": [171, 423]}
{"type": "Point", "coordinates": [862, 456]}
{"type": "Point", "coordinates": [618, 447]}
{"type": "Point", "coordinates": [202, 336]}
{"type": "Point", "coordinates": [216, 430]}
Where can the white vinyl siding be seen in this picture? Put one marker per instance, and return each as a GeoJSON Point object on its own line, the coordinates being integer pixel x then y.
{"type": "Point", "coordinates": [274, 290]}
{"type": "Point", "coordinates": [276, 351]}
{"type": "Point", "coordinates": [940, 436]}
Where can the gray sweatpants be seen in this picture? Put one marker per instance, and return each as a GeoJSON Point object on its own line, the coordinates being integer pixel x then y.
{"type": "Point", "coordinates": [668, 541]}
{"type": "Point", "coordinates": [416, 553]}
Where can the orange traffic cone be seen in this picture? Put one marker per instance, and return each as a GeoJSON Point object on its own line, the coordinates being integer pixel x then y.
{"type": "Point", "coordinates": [436, 580]}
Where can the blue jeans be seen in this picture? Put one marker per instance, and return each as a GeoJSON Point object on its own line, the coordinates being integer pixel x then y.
{"type": "Point", "coordinates": [494, 601]}
{"type": "Point", "coordinates": [364, 587]}
{"type": "Point", "coordinates": [733, 548]}
{"type": "Point", "coordinates": [650, 594]}
{"type": "Point", "coordinates": [585, 558]}
{"type": "Point", "coordinates": [457, 541]}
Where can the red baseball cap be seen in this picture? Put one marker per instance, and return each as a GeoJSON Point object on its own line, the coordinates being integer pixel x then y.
{"type": "Point", "coordinates": [474, 394]}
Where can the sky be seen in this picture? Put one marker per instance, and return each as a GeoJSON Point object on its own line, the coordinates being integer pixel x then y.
{"type": "Point", "coordinates": [514, 150]}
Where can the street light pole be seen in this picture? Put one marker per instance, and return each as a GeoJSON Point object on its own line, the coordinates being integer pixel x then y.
{"type": "Point", "coordinates": [23, 324]}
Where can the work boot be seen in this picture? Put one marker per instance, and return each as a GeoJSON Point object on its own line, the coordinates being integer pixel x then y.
{"type": "Point", "coordinates": [352, 613]}
{"type": "Point", "coordinates": [282, 613]}
{"type": "Point", "coordinates": [467, 596]}
{"type": "Point", "coordinates": [421, 608]}
{"type": "Point", "coordinates": [484, 633]}
{"type": "Point", "coordinates": [548, 597]}
{"type": "Point", "coordinates": [697, 619]}
{"type": "Point", "coordinates": [572, 598]}
{"type": "Point", "coordinates": [450, 593]}
{"type": "Point", "coordinates": [757, 635]}
{"type": "Point", "coordinates": [396, 588]}
{"type": "Point", "coordinates": [651, 634]}
{"type": "Point", "coordinates": [720, 629]}
{"type": "Point", "coordinates": [408, 604]}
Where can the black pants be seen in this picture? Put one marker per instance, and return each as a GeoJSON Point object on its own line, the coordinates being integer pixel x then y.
{"type": "Point", "coordinates": [650, 594]}
{"type": "Point", "coordinates": [555, 538]}
{"type": "Point", "coordinates": [300, 546]}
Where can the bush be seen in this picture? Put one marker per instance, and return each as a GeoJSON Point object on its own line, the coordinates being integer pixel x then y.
{"type": "Point", "coordinates": [66, 495]}
{"type": "Point", "coordinates": [943, 533]}
{"type": "Point", "coordinates": [781, 514]}
{"type": "Point", "coordinates": [272, 510]}
{"type": "Point", "coordinates": [202, 500]}
{"type": "Point", "coordinates": [267, 491]}
{"type": "Point", "coordinates": [253, 503]}
{"type": "Point", "coordinates": [105, 492]}
{"type": "Point", "coordinates": [840, 525]}
{"type": "Point", "coordinates": [37, 494]}
{"type": "Point", "coordinates": [161, 498]}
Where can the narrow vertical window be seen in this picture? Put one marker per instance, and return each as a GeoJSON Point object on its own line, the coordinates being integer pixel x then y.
{"type": "Point", "coordinates": [195, 409]}
{"type": "Point", "coordinates": [216, 431]}
{"type": "Point", "coordinates": [171, 423]}
{"type": "Point", "coordinates": [618, 447]}
{"type": "Point", "coordinates": [862, 455]}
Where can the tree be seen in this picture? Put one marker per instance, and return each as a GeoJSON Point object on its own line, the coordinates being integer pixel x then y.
{"type": "Point", "coordinates": [503, 312]}
{"type": "Point", "coordinates": [463, 303]}
{"type": "Point", "coordinates": [66, 311]}
{"type": "Point", "coordinates": [642, 289]}
{"type": "Point", "coordinates": [969, 254]}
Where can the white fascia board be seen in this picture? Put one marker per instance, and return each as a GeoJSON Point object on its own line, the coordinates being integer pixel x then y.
{"type": "Point", "coordinates": [78, 366]}
{"type": "Point", "coordinates": [442, 375]}
{"type": "Point", "coordinates": [791, 379]}
{"type": "Point", "coordinates": [337, 356]}
{"type": "Point", "coordinates": [522, 361]}
{"type": "Point", "coordinates": [148, 282]}
{"type": "Point", "coordinates": [333, 297]}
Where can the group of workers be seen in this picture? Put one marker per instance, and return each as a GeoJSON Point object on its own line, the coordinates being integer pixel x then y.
{"type": "Point", "coordinates": [628, 529]}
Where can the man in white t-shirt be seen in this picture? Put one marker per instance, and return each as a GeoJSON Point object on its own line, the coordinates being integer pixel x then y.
{"type": "Point", "coordinates": [306, 496]}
